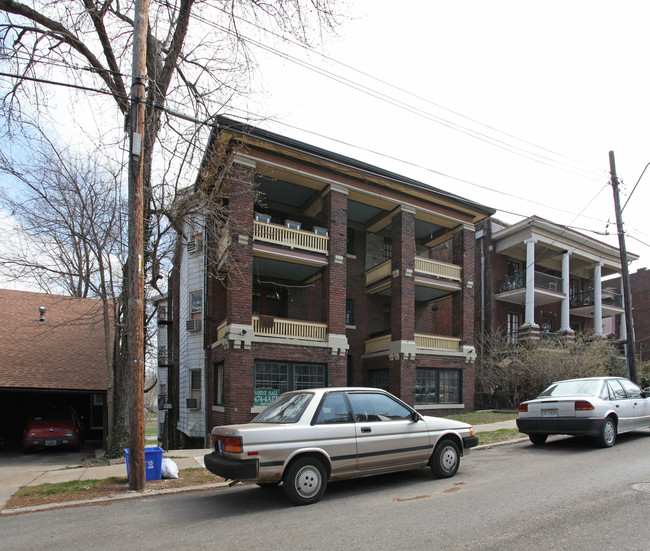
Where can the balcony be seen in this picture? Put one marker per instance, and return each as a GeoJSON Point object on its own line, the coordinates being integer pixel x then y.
{"type": "Point", "coordinates": [582, 303]}
{"type": "Point", "coordinates": [433, 279]}
{"type": "Point", "coordinates": [268, 326]}
{"type": "Point", "coordinates": [512, 288]}
{"type": "Point", "coordinates": [422, 342]}
{"type": "Point", "coordinates": [289, 237]}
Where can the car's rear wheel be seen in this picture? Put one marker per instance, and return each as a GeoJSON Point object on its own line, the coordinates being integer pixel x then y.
{"type": "Point", "coordinates": [305, 481]}
{"type": "Point", "coordinates": [607, 436]}
{"type": "Point", "coordinates": [538, 439]}
{"type": "Point", "coordinates": [445, 459]}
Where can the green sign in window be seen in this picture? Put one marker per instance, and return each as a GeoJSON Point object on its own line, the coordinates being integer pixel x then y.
{"type": "Point", "coordinates": [265, 396]}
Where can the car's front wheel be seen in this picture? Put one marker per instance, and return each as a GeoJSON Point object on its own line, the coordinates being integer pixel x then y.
{"type": "Point", "coordinates": [538, 439]}
{"type": "Point", "coordinates": [305, 481]}
{"type": "Point", "coordinates": [445, 459]}
{"type": "Point", "coordinates": [607, 436]}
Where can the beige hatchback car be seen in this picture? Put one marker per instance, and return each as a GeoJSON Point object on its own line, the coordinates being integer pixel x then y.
{"type": "Point", "coordinates": [308, 437]}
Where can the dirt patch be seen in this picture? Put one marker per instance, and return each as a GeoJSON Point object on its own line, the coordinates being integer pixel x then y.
{"type": "Point", "coordinates": [45, 494]}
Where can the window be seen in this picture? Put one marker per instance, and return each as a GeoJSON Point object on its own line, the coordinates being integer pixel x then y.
{"type": "Point", "coordinates": [616, 390]}
{"type": "Point", "coordinates": [196, 302]}
{"type": "Point", "coordinates": [437, 386]}
{"type": "Point", "coordinates": [388, 248]}
{"type": "Point", "coordinates": [334, 409]}
{"type": "Point", "coordinates": [195, 386]}
{"type": "Point", "coordinates": [270, 302]}
{"type": "Point", "coordinates": [371, 407]}
{"type": "Point", "coordinates": [349, 311]}
{"type": "Point", "coordinates": [218, 384]}
{"type": "Point", "coordinates": [631, 389]}
{"type": "Point", "coordinates": [513, 323]}
{"type": "Point", "coordinates": [378, 378]}
{"type": "Point", "coordinates": [286, 376]}
{"type": "Point", "coordinates": [350, 243]}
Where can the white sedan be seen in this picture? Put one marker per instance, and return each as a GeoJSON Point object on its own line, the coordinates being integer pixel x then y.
{"type": "Point", "coordinates": [602, 407]}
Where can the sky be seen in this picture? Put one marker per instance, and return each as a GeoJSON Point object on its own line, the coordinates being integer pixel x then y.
{"type": "Point", "coordinates": [513, 104]}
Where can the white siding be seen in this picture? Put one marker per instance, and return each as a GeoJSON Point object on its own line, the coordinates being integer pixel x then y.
{"type": "Point", "coordinates": [190, 345]}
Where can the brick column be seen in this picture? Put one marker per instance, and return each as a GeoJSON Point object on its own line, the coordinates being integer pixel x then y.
{"type": "Point", "coordinates": [334, 288]}
{"type": "Point", "coordinates": [463, 302]}
{"type": "Point", "coordinates": [402, 346]}
{"type": "Point", "coordinates": [463, 308]}
{"type": "Point", "coordinates": [240, 221]}
{"type": "Point", "coordinates": [238, 358]}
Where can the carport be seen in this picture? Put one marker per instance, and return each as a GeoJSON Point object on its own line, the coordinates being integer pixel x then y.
{"type": "Point", "coordinates": [52, 352]}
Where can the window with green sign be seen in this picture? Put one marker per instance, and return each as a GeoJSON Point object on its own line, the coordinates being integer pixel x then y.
{"type": "Point", "coordinates": [286, 376]}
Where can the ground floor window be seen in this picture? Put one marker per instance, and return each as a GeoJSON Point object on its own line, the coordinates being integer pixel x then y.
{"type": "Point", "coordinates": [285, 376]}
{"type": "Point", "coordinates": [378, 378]}
{"type": "Point", "coordinates": [218, 384]}
{"type": "Point", "coordinates": [437, 386]}
{"type": "Point", "coordinates": [513, 322]}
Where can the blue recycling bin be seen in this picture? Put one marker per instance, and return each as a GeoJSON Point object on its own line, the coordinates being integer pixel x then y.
{"type": "Point", "coordinates": [152, 460]}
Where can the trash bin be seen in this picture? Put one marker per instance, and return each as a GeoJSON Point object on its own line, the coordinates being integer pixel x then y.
{"type": "Point", "coordinates": [152, 461]}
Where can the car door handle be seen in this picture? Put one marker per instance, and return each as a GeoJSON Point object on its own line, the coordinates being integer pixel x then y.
{"type": "Point", "coordinates": [617, 405]}
{"type": "Point", "coordinates": [366, 429]}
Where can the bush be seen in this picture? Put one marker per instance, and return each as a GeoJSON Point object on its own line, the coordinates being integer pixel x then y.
{"type": "Point", "coordinates": [508, 374]}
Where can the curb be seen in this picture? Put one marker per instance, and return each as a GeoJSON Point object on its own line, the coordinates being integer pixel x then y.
{"type": "Point", "coordinates": [167, 491]}
{"type": "Point", "coordinates": [113, 498]}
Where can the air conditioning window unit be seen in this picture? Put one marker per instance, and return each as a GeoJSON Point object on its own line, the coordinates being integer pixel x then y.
{"type": "Point", "coordinates": [320, 231]}
{"type": "Point", "coordinates": [261, 217]}
{"type": "Point", "coordinates": [292, 224]}
{"type": "Point", "coordinates": [193, 325]}
{"type": "Point", "coordinates": [192, 403]}
{"type": "Point", "coordinates": [195, 246]}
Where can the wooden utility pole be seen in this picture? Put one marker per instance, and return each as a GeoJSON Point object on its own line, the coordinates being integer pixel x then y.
{"type": "Point", "coordinates": [135, 273]}
{"type": "Point", "coordinates": [625, 276]}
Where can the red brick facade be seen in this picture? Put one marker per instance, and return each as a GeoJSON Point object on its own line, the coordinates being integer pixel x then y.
{"type": "Point", "coordinates": [370, 219]}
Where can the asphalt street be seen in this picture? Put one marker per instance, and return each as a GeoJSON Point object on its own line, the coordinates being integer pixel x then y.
{"type": "Point", "coordinates": [567, 494]}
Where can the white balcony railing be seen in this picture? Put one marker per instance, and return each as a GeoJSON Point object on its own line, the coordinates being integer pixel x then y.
{"type": "Point", "coordinates": [437, 342]}
{"type": "Point", "coordinates": [422, 341]}
{"type": "Point", "coordinates": [288, 237]}
{"type": "Point", "coordinates": [289, 329]}
{"type": "Point", "coordinates": [437, 269]}
{"type": "Point", "coordinates": [424, 266]}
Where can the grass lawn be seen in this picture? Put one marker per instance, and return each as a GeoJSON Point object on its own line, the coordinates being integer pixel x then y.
{"type": "Point", "coordinates": [484, 417]}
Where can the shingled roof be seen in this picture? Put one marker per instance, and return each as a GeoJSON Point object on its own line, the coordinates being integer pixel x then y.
{"type": "Point", "coordinates": [66, 351]}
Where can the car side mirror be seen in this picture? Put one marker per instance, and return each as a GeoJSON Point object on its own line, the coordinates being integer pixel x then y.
{"type": "Point", "coordinates": [415, 416]}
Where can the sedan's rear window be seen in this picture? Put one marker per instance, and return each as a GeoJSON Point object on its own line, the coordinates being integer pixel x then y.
{"type": "Point", "coordinates": [573, 388]}
{"type": "Point", "coordinates": [288, 408]}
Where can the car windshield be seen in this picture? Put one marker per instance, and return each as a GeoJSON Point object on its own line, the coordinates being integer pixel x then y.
{"type": "Point", "coordinates": [287, 408]}
{"type": "Point", "coordinates": [573, 388]}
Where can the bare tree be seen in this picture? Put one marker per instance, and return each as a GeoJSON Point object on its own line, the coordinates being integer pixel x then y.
{"type": "Point", "coordinates": [197, 58]}
{"type": "Point", "coordinates": [70, 235]}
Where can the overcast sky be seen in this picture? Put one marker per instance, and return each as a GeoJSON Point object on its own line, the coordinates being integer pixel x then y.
{"type": "Point", "coordinates": [514, 104]}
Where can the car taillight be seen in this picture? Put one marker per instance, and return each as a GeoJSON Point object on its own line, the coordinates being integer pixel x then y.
{"type": "Point", "coordinates": [583, 405]}
{"type": "Point", "coordinates": [231, 444]}
{"type": "Point", "coordinates": [523, 407]}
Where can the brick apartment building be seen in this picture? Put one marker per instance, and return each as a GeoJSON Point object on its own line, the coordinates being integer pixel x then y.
{"type": "Point", "coordinates": [640, 292]}
{"type": "Point", "coordinates": [327, 272]}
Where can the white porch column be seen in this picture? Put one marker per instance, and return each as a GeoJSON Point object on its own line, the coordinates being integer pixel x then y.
{"type": "Point", "coordinates": [598, 301]}
{"type": "Point", "coordinates": [623, 328]}
{"type": "Point", "coordinates": [564, 319]}
{"type": "Point", "coordinates": [530, 283]}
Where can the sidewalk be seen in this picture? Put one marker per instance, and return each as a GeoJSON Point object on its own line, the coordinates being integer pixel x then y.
{"type": "Point", "coordinates": [15, 476]}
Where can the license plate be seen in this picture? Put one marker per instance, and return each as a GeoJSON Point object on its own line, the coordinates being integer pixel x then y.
{"type": "Point", "coordinates": [549, 413]}
{"type": "Point", "coordinates": [50, 442]}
